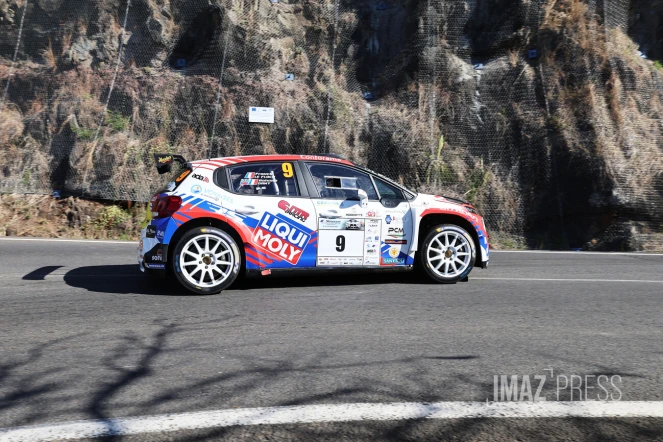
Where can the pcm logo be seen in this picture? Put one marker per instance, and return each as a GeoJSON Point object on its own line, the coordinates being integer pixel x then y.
{"type": "Point", "coordinates": [293, 211]}
{"type": "Point", "coordinates": [395, 232]}
{"type": "Point", "coordinates": [277, 236]}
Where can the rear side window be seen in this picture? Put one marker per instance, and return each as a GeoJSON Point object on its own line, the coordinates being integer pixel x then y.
{"type": "Point", "coordinates": [268, 179]}
{"type": "Point", "coordinates": [339, 182]}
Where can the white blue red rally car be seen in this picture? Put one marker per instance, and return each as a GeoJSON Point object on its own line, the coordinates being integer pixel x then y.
{"type": "Point", "coordinates": [261, 214]}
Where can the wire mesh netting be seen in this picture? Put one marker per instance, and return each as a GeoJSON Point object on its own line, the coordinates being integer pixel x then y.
{"type": "Point", "coordinates": [543, 113]}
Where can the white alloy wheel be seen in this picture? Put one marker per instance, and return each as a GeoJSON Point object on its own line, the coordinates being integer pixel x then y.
{"type": "Point", "coordinates": [206, 261]}
{"type": "Point", "coordinates": [449, 254]}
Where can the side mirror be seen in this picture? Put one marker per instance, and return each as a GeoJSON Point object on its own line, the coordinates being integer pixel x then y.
{"type": "Point", "coordinates": [363, 197]}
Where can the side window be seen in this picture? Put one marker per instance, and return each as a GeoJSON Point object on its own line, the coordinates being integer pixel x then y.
{"type": "Point", "coordinates": [328, 173]}
{"type": "Point", "coordinates": [270, 179]}
{"type": "Point", "coordinates": [387, 190]}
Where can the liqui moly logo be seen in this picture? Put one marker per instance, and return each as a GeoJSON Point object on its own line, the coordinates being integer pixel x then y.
{"type": "Point", "coordinates": [281, 238]}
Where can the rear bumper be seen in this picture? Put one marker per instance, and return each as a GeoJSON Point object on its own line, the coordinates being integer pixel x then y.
{"type": "Point", "coordinates": [152, 254]}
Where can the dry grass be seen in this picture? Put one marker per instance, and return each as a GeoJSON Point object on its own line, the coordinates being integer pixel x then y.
{"type": "Point", "coordinates": [11, 125]}
{"type": "Point", "coordinates": [50, 59]}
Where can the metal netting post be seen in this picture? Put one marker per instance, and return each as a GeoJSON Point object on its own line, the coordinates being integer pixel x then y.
{"type": "Point", "coordinates": [11, 68]}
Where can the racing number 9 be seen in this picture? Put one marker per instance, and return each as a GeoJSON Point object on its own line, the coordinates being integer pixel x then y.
{"type": "Point", "coordinates": [340, 243]}
{"type": "Point", "coordinates": [287, 170]}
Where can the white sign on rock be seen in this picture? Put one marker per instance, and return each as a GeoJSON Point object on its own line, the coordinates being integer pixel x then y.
{"type": "Point", "coordinates": [261, 115]}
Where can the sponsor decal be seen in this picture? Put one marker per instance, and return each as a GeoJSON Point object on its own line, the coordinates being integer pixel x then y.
{"type": "Point", "coordinates": [293, 211]}
{"type": "Point", "coordinates": [372, 213]}
{"type": "Point", "coordinates": [393, 258]}
{"type": "Point", "coordinates": [155, 266]}
{"type": "Point", "coordinates": [182, 175]}
{"type": "Point", "coordinates": [165, 160]}
{"type": "Point", "coordinates": [257, 179]}
{"type": "Point", "coordinates": [388, 219]}
{"type": "Point", "coordinates": [354, 224]}
{"type": "Point", "coordinates": [395, 232]}
{"type": "Point", "coordinates": [196, 189]}
{"type": "Point", "coordinates": [395, 241]}
{"type": "Point", "coordinates": [331, 224]}
{"type": "Point", "coordinates": [327, 203]}
{"type": "Point", "coordinates": [160, 235]}
{"type": "Point", "coordinates": [341, 224]}
{"type": "Point", "coordinates": [319, 158]}
{"type": "Point", "coordinates": [371, 250]}
{"type": "Point", "coordinates": [279, 237]}
{"type": "Point", "coordinates": [216, 196]}
{"type": "Point", "coordinates": [326, 261]}
{"type": "Point", "coordinates": [150, 231]}
{"type": "Point", "coordinates": [202, 178]}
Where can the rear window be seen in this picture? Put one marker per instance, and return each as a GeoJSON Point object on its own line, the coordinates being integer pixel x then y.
{"type": "Point", "coordinates": [268, 179]}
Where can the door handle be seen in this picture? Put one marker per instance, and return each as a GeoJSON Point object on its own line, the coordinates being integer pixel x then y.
{"type": "Point", "coordinates": [330, 214]}
{"type": "Point", "coordinates": [247, 210]}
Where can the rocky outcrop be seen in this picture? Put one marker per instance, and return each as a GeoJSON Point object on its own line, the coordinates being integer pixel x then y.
{"type": "Point", "coordinates": [545, 116]}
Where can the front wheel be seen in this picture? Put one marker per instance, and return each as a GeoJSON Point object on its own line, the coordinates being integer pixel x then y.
{"type": "Point", "coordinates": [447, 254]}
{"type": "Point", "coordinates": [207, 260]}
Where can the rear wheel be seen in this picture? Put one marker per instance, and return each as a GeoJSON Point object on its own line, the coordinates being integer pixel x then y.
{"type": "Point", "coordinates": [206, 260]}
{"type": "Point", "coordinates": [447, 254]}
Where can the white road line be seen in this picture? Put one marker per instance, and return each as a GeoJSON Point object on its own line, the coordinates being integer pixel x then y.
{"type": "Point", "coordinates": [91, 241]}
{"type": "Point", "coordinates": [571, 252]}
{"type": "Point", "coordinates": [330, 413]}
{"type": "Point", "coordinates": [568, 280]}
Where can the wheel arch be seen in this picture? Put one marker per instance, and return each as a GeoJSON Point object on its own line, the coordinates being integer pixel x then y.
{"type": "Point", "coordinates": [434, 219]}
{"type": "Point", "coordinates": [209, 222]}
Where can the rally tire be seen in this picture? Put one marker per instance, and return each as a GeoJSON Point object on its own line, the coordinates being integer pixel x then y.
{"type": "Point", "coordinates": [206, 260]}
{"type": "Point", "coordinates": [447, 254]}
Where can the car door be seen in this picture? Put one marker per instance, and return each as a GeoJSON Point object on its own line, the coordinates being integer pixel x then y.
{"type": "Point", "coordinates": [353, 226]}
{"type": "Point", "coordinates": [271, 203]}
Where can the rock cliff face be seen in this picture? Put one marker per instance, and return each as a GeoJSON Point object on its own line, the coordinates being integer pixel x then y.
{"type": "Point", "coordinates": [543, 113]}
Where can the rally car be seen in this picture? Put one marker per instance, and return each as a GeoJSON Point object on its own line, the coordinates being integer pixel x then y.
{"type": "Point", "coordinates": [219, 218]}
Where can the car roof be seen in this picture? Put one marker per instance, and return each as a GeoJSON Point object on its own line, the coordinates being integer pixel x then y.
{"type": "Point", "coordinates": [225, 161]}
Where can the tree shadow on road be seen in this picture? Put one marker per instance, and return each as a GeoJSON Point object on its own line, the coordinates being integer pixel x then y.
{"type": "Point", "coordinates": [135, 376]}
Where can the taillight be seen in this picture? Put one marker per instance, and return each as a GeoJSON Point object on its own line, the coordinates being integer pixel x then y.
{"type": "Point", "coordinates": [165, 206]}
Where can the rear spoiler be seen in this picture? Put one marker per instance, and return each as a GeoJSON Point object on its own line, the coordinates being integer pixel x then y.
{"type": "Point", "coordinates": [165, 161]}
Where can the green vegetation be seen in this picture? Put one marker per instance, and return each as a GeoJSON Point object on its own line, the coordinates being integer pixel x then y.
{"type": "Point", "coordinates": [445, 174]}
{"type": "Point", "coordinates": [117, 121]}
{"type": "Point", "coordinates": [83, 133]}
{"type": "Point", "coordinates": [658, 65]}
{"type": "Point", "coordinates": [477, 181]}
{"type": "Point", "coordinates": [109, 217]}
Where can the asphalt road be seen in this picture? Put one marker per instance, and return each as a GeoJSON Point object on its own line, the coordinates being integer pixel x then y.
{"type": "Point", "coordinates": [84, 335]}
